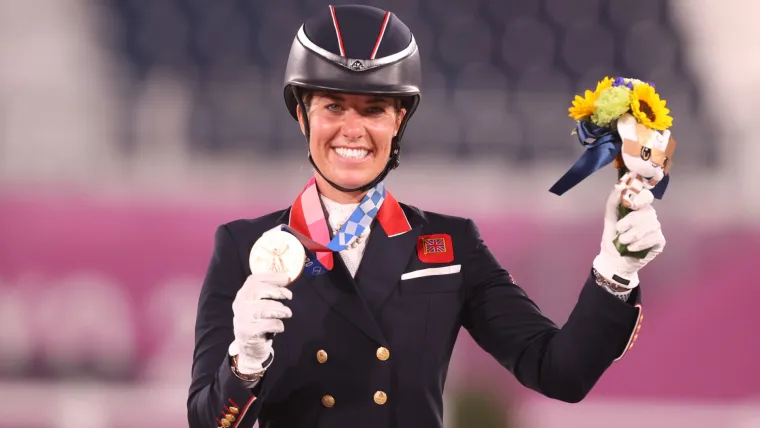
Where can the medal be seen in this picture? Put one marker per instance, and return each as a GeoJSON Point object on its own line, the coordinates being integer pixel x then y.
{"type": "Point", "coordinates": [278, 251]}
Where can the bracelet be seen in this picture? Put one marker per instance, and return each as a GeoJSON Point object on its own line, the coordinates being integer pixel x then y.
{"type": "Point", "coordinates": [616, 290]}
{"type": "Point", "coordinates": [251, 377]}
{"type": "Point", "coordinates": [620, 295]}
{"type": "Point", "coordinates": [607, 283]}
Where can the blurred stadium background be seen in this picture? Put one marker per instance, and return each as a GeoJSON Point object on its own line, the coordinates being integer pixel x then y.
{"type": "Point", "coordinates": [129, 129]}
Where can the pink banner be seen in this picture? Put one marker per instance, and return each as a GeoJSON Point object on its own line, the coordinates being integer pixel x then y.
{"type": "Point", "coordinates": [89, 286]}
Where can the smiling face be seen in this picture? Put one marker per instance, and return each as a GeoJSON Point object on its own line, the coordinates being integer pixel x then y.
{"type": "Point", "coordinates": [350, 138]}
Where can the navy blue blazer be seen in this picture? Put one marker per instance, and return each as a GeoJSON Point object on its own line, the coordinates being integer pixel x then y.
{"type": "Point", "coordinates": [374, 351]}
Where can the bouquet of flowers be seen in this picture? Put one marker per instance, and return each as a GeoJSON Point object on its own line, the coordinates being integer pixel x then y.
{"type": "Point", "coordinates": [625, 121]}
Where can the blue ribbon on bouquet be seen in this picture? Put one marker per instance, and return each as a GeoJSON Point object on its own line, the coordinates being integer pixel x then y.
{"type": "Point", "coordinates": [602, 147]}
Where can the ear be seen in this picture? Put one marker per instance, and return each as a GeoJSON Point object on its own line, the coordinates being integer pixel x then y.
{"type": "Point", "coordinates": [399, 118]}
{"type": "Point", "coordinates": [626, 127]}
{"type": "Point", "coordinates": [669, 152]}
{"type": "Point", "coordinates": [299, 113]}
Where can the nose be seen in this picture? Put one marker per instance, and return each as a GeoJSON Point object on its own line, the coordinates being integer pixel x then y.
{"type": "Point", "coordinates": [353, 125]}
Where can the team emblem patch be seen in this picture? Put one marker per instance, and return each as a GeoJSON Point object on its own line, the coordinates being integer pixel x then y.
{"type": "Point", "coordinates": [435, 248]}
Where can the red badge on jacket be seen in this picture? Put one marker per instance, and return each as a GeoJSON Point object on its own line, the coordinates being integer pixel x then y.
{"type": "Point", "coordinates": [435, 248]}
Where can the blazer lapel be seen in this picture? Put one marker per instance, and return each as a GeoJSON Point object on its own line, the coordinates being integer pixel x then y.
{"type": "Point", "coordinates": [389, 248]}
{"type": "Point", "coordinates": [385, 260]}
{"type": "Point", "coordinates": [339, 290]}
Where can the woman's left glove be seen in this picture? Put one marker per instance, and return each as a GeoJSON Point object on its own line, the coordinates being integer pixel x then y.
{"type": "Point", "coordinates": [640, 229]}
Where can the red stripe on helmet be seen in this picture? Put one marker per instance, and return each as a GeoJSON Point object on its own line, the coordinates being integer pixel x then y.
{"type": "Point", "coordinates": [337, 31]}
{"type": "Point", "coordinates": [380, 36]}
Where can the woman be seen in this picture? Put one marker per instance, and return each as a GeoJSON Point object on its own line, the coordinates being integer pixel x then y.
{"type": "Point", "coordinates": [364, 338]}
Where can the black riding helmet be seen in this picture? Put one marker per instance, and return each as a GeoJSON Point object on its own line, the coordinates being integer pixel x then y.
{"type": "Point", "coordinates": [355, 49]}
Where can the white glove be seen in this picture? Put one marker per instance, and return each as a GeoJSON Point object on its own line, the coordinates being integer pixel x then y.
{"type": "Point", "coordinates": [255, 315]}
{"type": "Point", "coordinates": [640, 230]}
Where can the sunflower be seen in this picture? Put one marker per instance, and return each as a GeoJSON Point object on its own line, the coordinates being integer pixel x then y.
{"type": "Point", "coordinates": [649, 109]}
{"type": "Point", "coordinates": [584, 106]}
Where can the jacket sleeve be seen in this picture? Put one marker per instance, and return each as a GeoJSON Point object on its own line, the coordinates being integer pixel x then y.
{"type": "Point", "coordinates": [215, 392]}
{"type": "Point", "coordinates": [560, 363]}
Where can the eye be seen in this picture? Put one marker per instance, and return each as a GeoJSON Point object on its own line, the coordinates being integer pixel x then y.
{"type": "Point", "coordinates": [376, 110]}
{"type": "Point", "coordinates": [333, 107]}
{"type": "Point", "coordinates": [646, 153]}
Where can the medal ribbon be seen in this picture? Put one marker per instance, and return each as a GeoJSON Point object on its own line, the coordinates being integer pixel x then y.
{"type": "Point", "coordinates": [309, 225]}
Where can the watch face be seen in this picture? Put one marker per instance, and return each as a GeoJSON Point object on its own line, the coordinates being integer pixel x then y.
{"type": "Point", "coordinates": [246, 377]}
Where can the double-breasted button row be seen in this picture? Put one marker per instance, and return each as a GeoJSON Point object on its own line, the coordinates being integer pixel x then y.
{"type": "Point", "coordinates": [380, 398]}
{"type": "Point", "coordinates": [382, 354]}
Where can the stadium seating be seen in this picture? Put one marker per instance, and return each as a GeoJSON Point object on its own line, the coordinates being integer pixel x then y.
{"type": "Point", "coordinates": [499, 75]}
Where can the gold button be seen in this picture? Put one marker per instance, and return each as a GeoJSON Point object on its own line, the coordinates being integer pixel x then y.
{"type": "Point", "coordinates": [321, 356]}
{"type": "Point", "coordinates": [328, 401]}
{"type": "Point", "coordinates": [383, 353]}
{"type": "Point", "coordinates": [234, 410]}
{"type": "Point", "coordinates": [226, 423]}
{"type": "Point", "coordinates": [380, 397]}
{"type": "Point", "coordinates": [229, 417]}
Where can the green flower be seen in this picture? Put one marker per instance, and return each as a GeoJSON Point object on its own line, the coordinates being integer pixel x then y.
{"type": "Point", "coordinates": [612, 103]}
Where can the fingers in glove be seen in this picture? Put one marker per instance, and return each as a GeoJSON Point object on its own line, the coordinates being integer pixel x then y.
{"type": "Point", "coordinates": [614, 199]}
{"type": "Point", "coordinates": [274, 278]}
{"type": "Point", "coordinates": [654, 240]}
{"type": "Point", "coordinates": [253, 283]}
{"type": "Point", "coordinates": [253, 332]}
{"type": "Point", "coordinates": [266, 309]}
{"type": "Point", "coordinates": [644, 216]}
{"type": "Point", "coordinates": [617, 192]}
{"type": "Point", "coordinates": [637, 232]}
{"type": "Point", "coordinates": [260, 309]}
{"type": "Point", "coordinates": [258, 334]}
{"type": "Point", "coordinates": [273, 326]}
{"type": "Point", "coordinates": [271, 291]}
{"type": "Point", "coordinates": [641, 199]}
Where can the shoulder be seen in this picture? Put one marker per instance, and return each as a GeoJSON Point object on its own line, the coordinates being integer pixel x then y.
{"type": "Point", "coordinates": [244, 232]}
{"type": "Point", "coordinates": [257, 225]}
{"type": "Point", "coordinates": [435, 221]}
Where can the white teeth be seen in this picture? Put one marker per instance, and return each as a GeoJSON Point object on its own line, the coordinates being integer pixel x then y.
{"type": "Point", "coordinates": [351, 153]}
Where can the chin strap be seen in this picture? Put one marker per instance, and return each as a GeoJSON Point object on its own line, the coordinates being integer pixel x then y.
{"type": "Point", "coordinates": [393, 160]}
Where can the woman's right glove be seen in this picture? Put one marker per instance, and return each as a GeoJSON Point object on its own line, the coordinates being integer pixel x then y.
{"type": "Point", "coordinates": [257, 317]}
